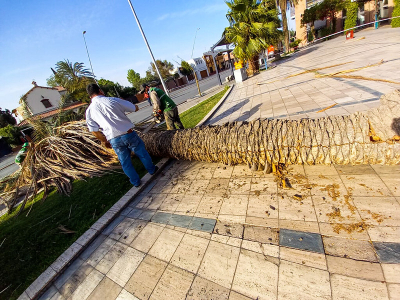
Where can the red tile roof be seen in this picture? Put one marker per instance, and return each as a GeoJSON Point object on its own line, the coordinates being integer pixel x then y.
{"type": "Point", "coordinates": [53, 112]}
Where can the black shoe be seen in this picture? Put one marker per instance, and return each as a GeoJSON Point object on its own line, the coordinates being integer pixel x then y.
{"type": "Point", "coordinates": [155, 170]}
{"type": "Point", "coordinates": [137, 185]}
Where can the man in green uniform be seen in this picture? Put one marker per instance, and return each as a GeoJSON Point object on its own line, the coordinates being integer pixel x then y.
{"type": "Point", "coordinates": [162, 104]}
{"type": "Point", "coordinates": [21, 154]}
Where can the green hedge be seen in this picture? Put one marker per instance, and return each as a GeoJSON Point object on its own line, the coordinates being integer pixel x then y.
{"type": "Point", "coordinates": [396, 13]}
{"type": "Point", "coordinates": [352, 15]}
{"type": "Point", "coordinates": [11, 133]}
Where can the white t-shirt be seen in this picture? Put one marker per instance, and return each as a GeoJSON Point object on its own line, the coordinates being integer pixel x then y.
{"type": "Point", "coordinates": [108, 114]}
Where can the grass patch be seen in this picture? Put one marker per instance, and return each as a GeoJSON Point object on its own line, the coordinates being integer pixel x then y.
{"type": "Point", "coordinates": [29, 244]}
{"type": "Point", "coordinates": [191, 117]}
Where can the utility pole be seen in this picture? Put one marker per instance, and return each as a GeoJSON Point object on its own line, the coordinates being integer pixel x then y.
{"type": "Point", "coordinates": [376, 14]}
{"type": "Point", "coordinates": [148, 47]}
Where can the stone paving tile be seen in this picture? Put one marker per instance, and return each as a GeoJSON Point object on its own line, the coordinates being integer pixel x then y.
{"type": "Point", "coordinates": [113, 224]}
{"type": "Point", "coordinates": [101, 251]}
{"type": "Point", "coordinates": [380, 211]}
{"type": "Point", "coordinates": [299, 225]}
{"type": "Point", "coordinates": [337, 230]}
{"type": "Point", "coordinates": [355, 268]}
{"type": "Point", "coordinates": [292, 209]}
{"type": "Point", "coordinates": [202, 224]}
{"type": "Point", "coordinates": [132, 232]}
{"type": "Point", "coordinates": [261, 234]}
{"type": "Point", "coordinates": [314, 283]}
{"type": "Point", "coordinates": [161, 217]}
{"type": "Point", "coordinates": [134, 213]}
{"type": "Point", "coordinates": [394, 291]}
{"type": "Point", "coordinates": [106, 263]}
{"type": "Point", "coordinates": [174, 284]}
{"type": "Point", "coordinates": [236, 296]}
{"type": "Point", "coordinates": [87, 286]}
{"type": "Point", "coordinates": [68, 282]}
{"type": "Point", "coordinates": [155, 201]}
{"type": "Point", "coordinates": [301, 240]}
{"type": "Point", "coordinates": [392, 181]}
{"type": "Point", "coordinates": [354, 170]}
{"type": "Point", "coordinates": [265, 249]}
{"type": "Point", "coordinates": [180, 220]}
{"type": "Point", "coordinates": [189, 253]}
{"type": "Point", "coordinates": [384, 234]}
{"type": "Point", "coordinates": [146, 215]}
{"type": "Point", "coordinates": [266, 222]}
{"type": "Point", "coordinates": [366, 185]}
{"type": "Point", "coordinates": [253, 265]}
{"type": "Point", "coordinates": [263, 206]}
{"type": "Point", "coordinates": [92, 247]}
{"type": "Point", "coordinates": [210, 205]}
{"type": "Point", "coordinates": [121, 228]}
{"type": "Point", "coordinates": [263, 185]}
{"type": "Point", "coordinates": [388, 252]}
{"type": "Point", "coordinates": [125, 266]}
{"type": "Point", "coordinates": [107, 289]}
{"type": "Point", "coordinates": [234, 230]}
{"type": "Point", "coordinates": [217, 187]}
{"type": "Point", "coordinates": [320, 170]}
{"type": "Point", "coordinates": [124, 295]}
{"type": "Point", "coordinates": [359, 250]}
{"type": "Point", "coordinates": [203, 289]}
{"type": "Point", "coordinates": [234, 205]}
{"type": "Point", "coordinates": [146, 277]}
{"type": "Point", "coordinates": [222, 171]}
{"type": "Point", "coordinates": [240, 185]}
{"type": "Point", "coordinates": [171, 202]}
{"type": "Point", "coordinates": [219, 263]}
{"type": "Point", "coordinates": [146, 238]}
{"type": "Point", "coordinates": [391, 272]}
{"type": "Point", "coordinates": [309, 259]}
{"type": "Point", "coordinates": [166, 244]}
{"type": "Point", "coordinates": [189, 203]}
{"type": "Point", "coordinates": [344, 287]}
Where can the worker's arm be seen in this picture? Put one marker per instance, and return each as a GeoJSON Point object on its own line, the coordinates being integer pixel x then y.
{"type": "Point", "coordinates": [155, 100]}
{"type": "Point", "coordinates": [100, 136]}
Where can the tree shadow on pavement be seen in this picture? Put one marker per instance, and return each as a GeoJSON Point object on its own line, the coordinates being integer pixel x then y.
{"type": "Point", "coordinates": [231, 110]}
{"type": "Point", "coordinates": [246, 115]}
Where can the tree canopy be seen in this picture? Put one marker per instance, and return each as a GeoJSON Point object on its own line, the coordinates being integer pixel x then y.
{"type": "Point", "coordinates": [112, 89]}
{"type": "Point", "coordinates": [185, 68]}
{"type": "Point", "coordinates": [254, 26]}
{"type": "Point", "coordinates": [6, 118]}
{"type": "Point", "coordinates": [164, 66]}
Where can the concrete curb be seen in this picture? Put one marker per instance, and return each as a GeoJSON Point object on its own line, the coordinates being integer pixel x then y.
{"type": "Point", "coordinates": [216, 107]}
{"type": "Point", "coordinates": [39, 286]}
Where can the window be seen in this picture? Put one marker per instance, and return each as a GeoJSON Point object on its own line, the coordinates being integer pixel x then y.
{"type": "Point", "coordinates": [46, 103]}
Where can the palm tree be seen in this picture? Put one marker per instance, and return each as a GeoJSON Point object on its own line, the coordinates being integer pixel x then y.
{"type": "Point", "coordinates": [253, 28]}
{"type": "Point", "coordinates": [283, 5]}
{"type": "Point", "coordinates": [74, 78]}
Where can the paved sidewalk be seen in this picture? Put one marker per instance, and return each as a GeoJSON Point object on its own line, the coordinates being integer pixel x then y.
{"type": "Point", "coordinates": [208, 231]}
{"type": "Point", "coordinates": [271, 95]}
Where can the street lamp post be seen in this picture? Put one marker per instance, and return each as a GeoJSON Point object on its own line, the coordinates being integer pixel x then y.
{"type": "Point", "coordinates": [194, 41]}
{"type": "Point", "coordinates": [87, 51]}
{"type": "Point", "coordinates": [148, 47]}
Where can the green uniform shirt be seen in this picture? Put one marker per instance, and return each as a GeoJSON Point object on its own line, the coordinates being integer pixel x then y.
{"type": "Point", "coordinates": [166, 103]}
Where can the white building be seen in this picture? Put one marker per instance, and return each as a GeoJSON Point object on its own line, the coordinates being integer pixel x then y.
{"type": "Point", "coordinates": [43, 102]}
{"type": "Point", "coordinates": [200, 67]}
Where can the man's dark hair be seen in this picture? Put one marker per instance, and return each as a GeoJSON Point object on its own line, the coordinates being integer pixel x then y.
{"type": "Point", "coordinates": [93, 89]}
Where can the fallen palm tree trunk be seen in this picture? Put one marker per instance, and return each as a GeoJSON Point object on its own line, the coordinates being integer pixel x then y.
{"type": "Point", "coordinates": [370, 137]}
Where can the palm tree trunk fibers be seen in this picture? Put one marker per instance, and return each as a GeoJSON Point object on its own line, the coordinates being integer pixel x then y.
{"type": "Point", "coordinates": [369, 137]}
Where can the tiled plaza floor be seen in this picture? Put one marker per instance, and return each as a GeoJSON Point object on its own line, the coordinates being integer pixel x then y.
{"type": "Point", "coordinates": [209, 231]}
{"type": "Point", "coordinates": [271, 95]}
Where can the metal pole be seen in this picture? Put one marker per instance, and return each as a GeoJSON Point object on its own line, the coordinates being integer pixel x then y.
{"type": "Point", "coordinates": [216, 69]}
{"type": "Point", "coordinates": [148, 47]}
{"type": "Point", "coordinates": [87, 51]}
{"type": "Point", "coordinates": [194, 41]}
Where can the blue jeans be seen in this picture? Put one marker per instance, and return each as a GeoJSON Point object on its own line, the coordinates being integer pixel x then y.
{"type": "Point", "coordinates": [123, 145]}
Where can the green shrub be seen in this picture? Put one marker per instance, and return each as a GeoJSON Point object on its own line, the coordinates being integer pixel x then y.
{"type": "Point", "coordinates": [295, 43]}
{"type": "Point", "coordinates": [352, 14]}
{"type": "Point", "coordinates": [12, 134]}
{"type": "Point", "coordinates": [326, 31]}
{"type": "Point", "coordinates": [396, 13]}
{"type": "Point", "coordinates": [310, 37]}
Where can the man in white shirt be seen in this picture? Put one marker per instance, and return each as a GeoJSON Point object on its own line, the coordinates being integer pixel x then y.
{"type": "Point", "coordinates": [106, 119]}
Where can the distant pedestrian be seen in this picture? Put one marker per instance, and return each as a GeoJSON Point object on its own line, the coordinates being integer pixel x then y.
{"type": "Point", "coordinates": [163, 104]}
{"type": "Point", "coordinates": [106, 119]}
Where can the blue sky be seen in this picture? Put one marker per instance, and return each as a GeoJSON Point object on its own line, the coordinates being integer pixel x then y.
{"type": "Point", "coordinates": [35, 35]}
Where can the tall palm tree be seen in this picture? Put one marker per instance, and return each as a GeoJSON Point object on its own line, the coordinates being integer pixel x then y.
{"type": "Point", "coordinates": [283, 5]}
{"type": "Point", "coordinates": [74, 78]}
{"type": "Point", "coordinates": [253, 28]}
